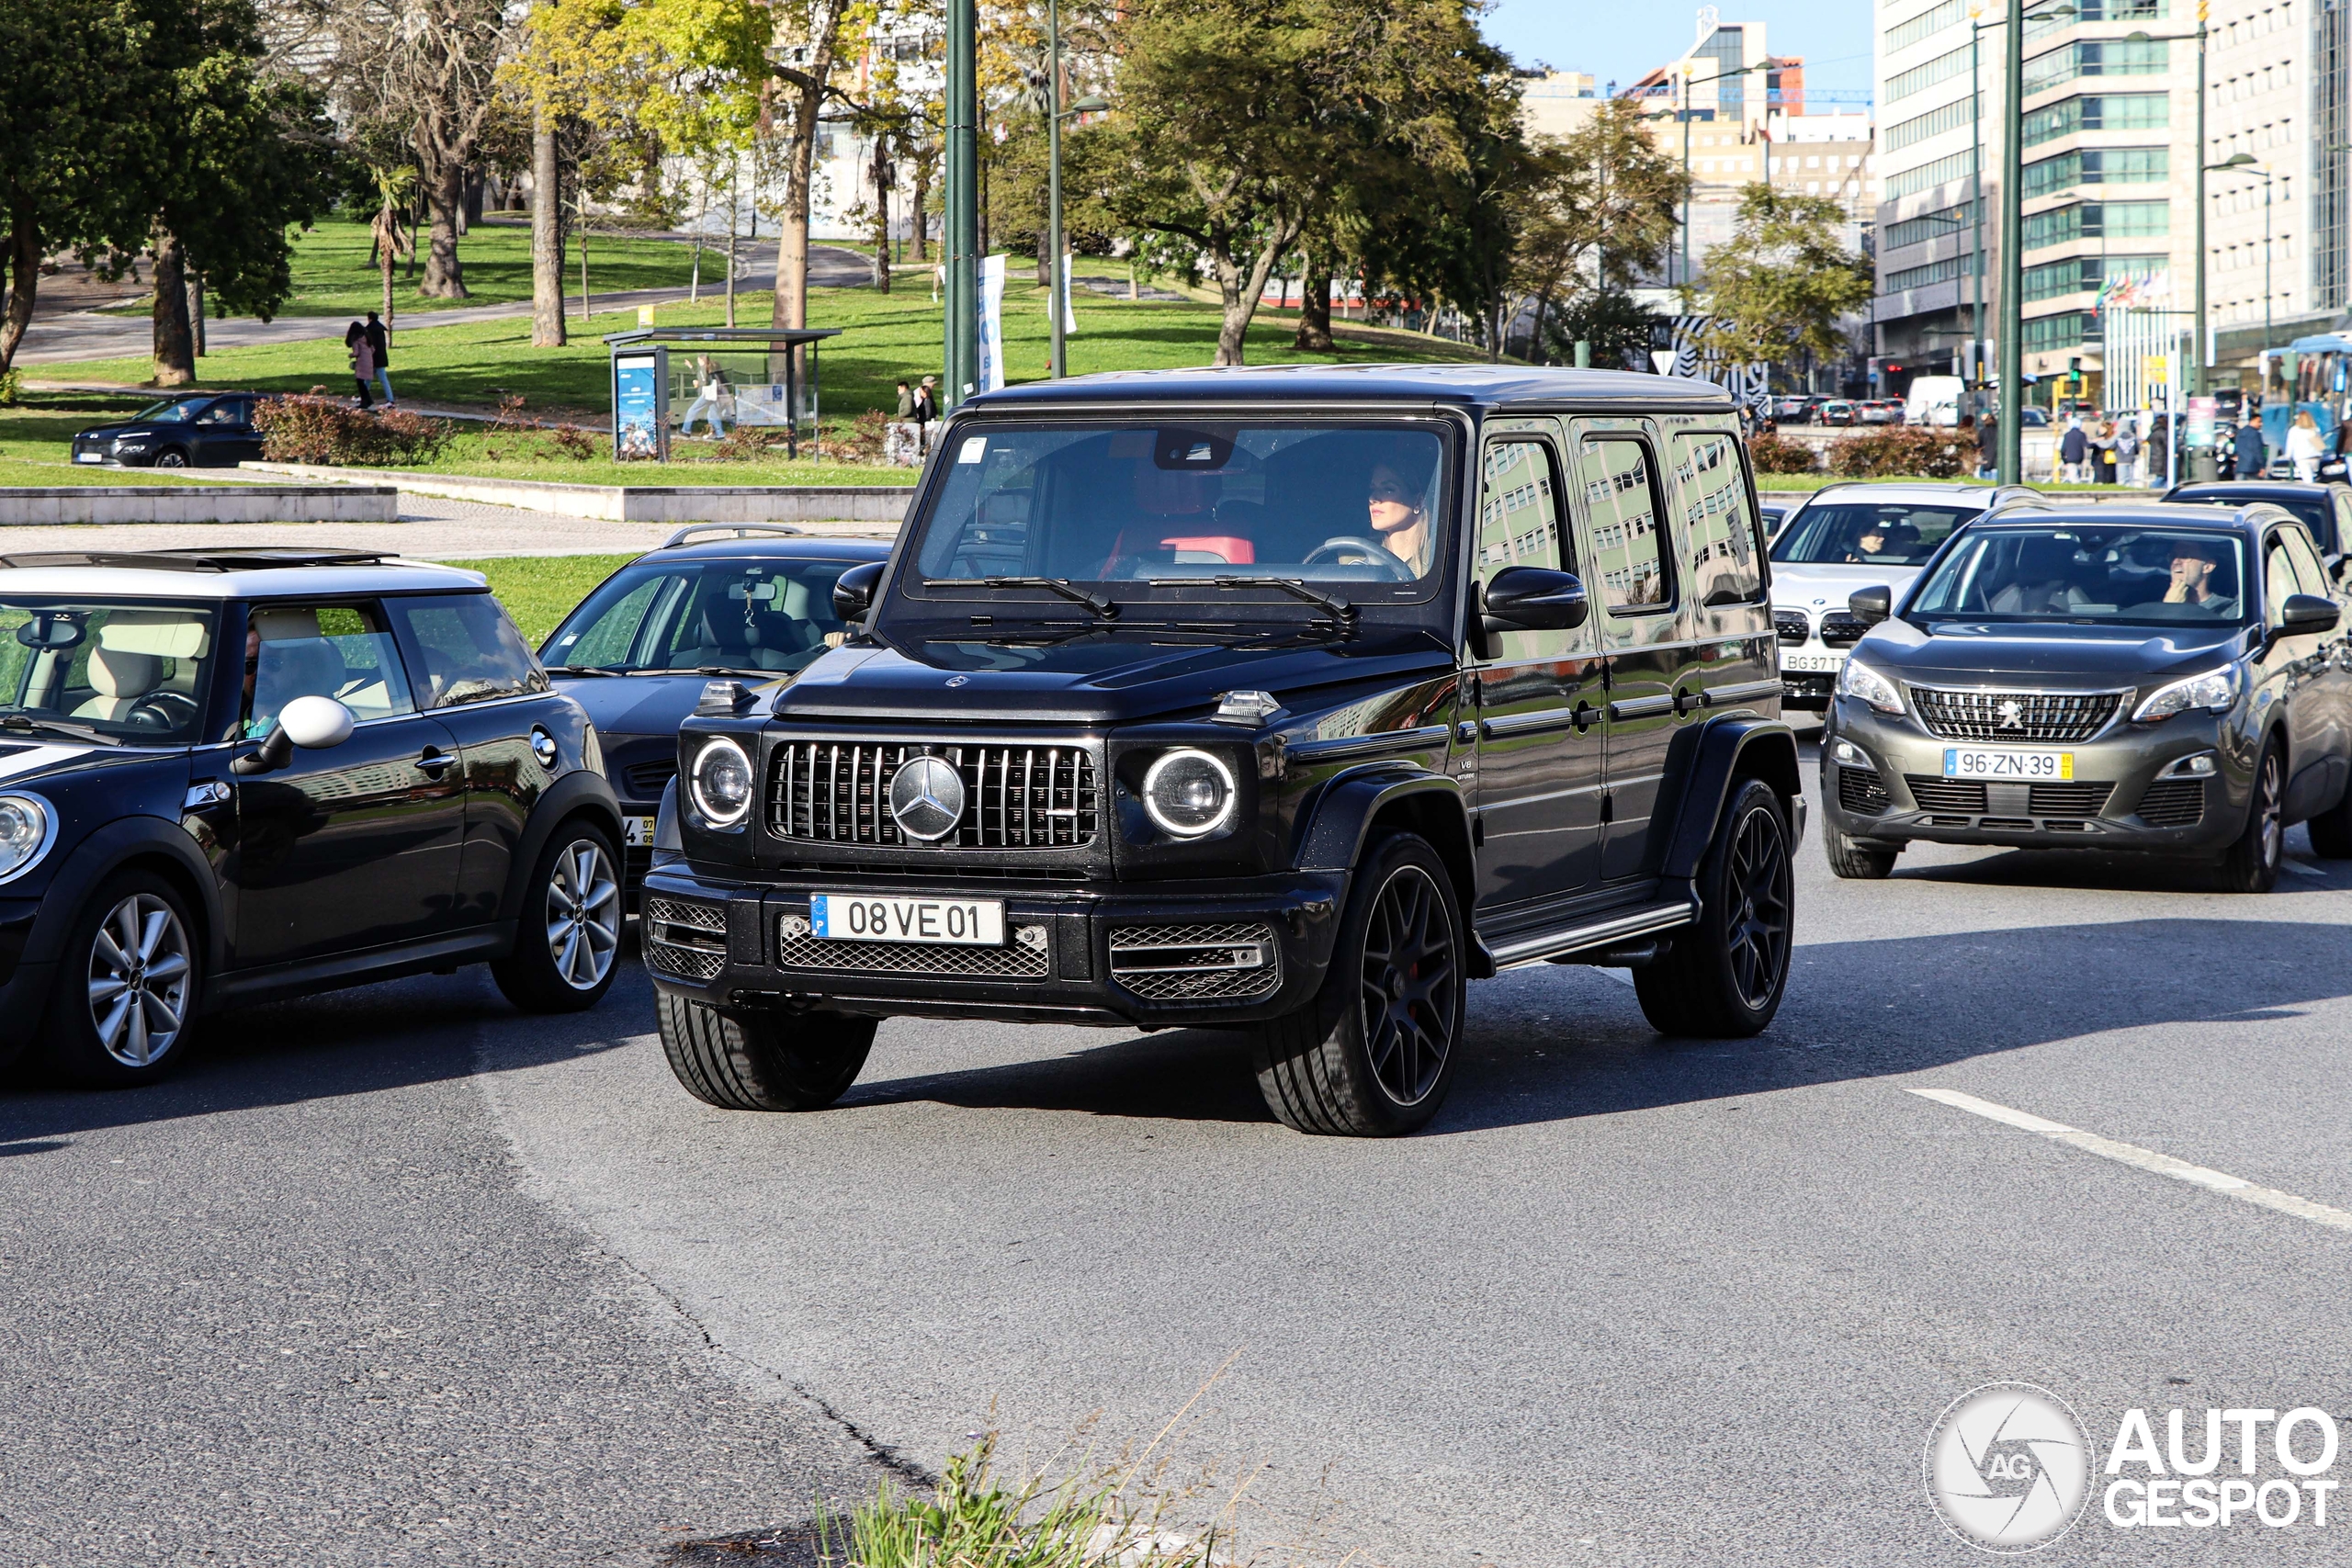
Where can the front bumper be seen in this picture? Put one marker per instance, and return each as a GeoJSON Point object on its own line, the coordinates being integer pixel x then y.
{"type": "Point", "coordinates": [1103, 955]}
{"type": "Point", "coordinates": [2115, 802]}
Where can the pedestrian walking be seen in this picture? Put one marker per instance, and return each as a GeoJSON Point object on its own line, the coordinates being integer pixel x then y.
{"type": "Point", "coordinates": [2073, 451]}
{"type": "Point", "coordinates": [379, 344]}
{"type": "Point", "coordinates": [2103, 453]}
{"type": "Point", "coordinates": [906, 398]}
{"type": "Point", "coordinates": [2305, 447]}
{"type": "Point", "coordinates": [1988, 447]}
{"type": "Point", "coordinates": [2127, 450]}
{"type": "Point", "coordinates": [2253, 452]}
{"type": "Point", "coordinates": [926, 410]}
{"type": "Point", "coordinates": [363, 361]}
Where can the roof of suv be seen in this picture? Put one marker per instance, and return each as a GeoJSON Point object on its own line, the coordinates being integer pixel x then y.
{"type": "Point", "coordinates": [211, 573]}
{"type": "Point", "coordinates": [1290, 384]}
{"type": "Point", "coordinates": [1928, 491]}
{"type": "Point", "coordinates": [2246, 519]}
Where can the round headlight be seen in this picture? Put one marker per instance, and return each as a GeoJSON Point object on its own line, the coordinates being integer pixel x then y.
{"type": "Point", "coordinates": [26, 829]}
{"type": "Point", "coordinates": [722, 783]}
{"type": "Point", "coordinates": [1187, 793]}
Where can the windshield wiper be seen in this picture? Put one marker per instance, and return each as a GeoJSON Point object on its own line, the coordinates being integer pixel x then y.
{"type": "Point", "coordinates": [1103, 608]}
{"type": "Point", "coordinates": [578, 670]}
{"type": "Point", "coordinates": [1339, 609]}
{"type": "Point", "coordinates": [58, 725]}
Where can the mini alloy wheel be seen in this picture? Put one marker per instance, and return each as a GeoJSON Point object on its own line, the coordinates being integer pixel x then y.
{"type": "Point", "coordinates": [584, 913]}
{"type": "Point", "coordinates": [1412, 977]}
{"type": "Point", "coordinates": [137, 981]}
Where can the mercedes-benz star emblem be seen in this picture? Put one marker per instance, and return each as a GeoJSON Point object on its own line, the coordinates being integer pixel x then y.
{"type": "Point", "coordinates": [927, 798]}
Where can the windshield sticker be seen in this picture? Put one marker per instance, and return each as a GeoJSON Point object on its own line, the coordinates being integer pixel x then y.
{"type": "Point", "coordinates": [975, 448]}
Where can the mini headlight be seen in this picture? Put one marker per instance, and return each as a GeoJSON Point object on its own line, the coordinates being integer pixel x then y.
{"type": "Point", "coordinates": [2216, 688]}
{"type": "Point", "coordinates": [1858, 680]}
{"type": "Point", "coordinates": [25, 830]}
{"type": "Point", "coordinates": [722, 783]}
{"type": "Point", "coordinates": [1187, 793]}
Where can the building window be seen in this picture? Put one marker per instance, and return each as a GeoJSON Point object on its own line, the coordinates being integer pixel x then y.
{"type": "Point", "coordinates": [1943, 68]}
{"type": "Point", "coordinates": [1927, 226]}
{"type": "Point", "coordinates": [1934, 272]}
{"type": "Point", "coordinates": [2098, 219]}
{"type": "Point", "coordinates": [2064, 330]}
{"type": "Point", "coordinates": [2096, 165]}
{"type": "Point", "coordinates": [2084, 275]}
{"type": "Point", "coordinates": [2100, 111]}
{"type": "Point", "coordinates": [1956, 166]}
{"type": "Point", "coordinates": [2095, 57]}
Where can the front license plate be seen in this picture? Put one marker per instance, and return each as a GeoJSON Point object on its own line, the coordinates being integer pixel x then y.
{"type": "Point", "coordinates": [89, 458]}
{"type": "Point", "coordinates": [637, 830]}
{"type": "Point", "coordinates": [1812, 663]}
{"type": "Point", "coordinates": [1983, 762]}
{"type": "Point", "coordinates": [867, 917]}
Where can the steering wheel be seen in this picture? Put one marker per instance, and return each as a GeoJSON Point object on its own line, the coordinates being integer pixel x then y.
{"type": "Point", "coordinates": [1380, 555]}
{"type": "Point", "coordinates": [164, 710]}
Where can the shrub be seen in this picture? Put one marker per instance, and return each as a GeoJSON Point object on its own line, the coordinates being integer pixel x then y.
{"type": "Point", "coordinates": [864, 440]}
{"type": "Point", "coordinates": [1900, 450]}
{"type": "Point", "coordinates": [12, 386]}
{"type": "Point", "coordinates": [317, 428]}
{"type": "Point", "coordinates": [580, 445]}
{"type": "Point", "coordinates": [746, 444]}
{"type": "Point", "coordinates": [1777, 455]}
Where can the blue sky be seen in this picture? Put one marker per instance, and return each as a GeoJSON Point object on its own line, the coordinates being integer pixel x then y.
{"type": "Point", "coordinates": [1622, 42]}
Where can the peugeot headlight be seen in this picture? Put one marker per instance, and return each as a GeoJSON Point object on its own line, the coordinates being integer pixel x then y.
{"type": "Point", "coordinates": [2216, 688]}
{"type": "Point", "coordinates": [1188, 794]}
{"type": "Point", "coordinates": [27, 828]}
{"type": "Point", "coordinates": [1858, 680]}
{"type": "Point", "coordinates": [722, 783]}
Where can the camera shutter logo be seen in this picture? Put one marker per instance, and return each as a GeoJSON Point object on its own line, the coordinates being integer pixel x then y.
{"type": "Point", "coordinates": [2008, 1467]}
{"type": "Point", "coordinates": [927, 798]}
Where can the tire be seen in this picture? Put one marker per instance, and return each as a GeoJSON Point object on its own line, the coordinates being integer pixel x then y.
{"type": "Point", "coordinates": [170, 457]}
{"type": "Point", "coordinates": [740, 1061]}
{"type": "Point", "coordinates": [126, 986]}
{"type": "Point", "coordinates": [1349, 1065]}
{"type": "Point", "coordinates": [1855, 860]}
{"type": "Point", "coordinates": [2332, 830]}
{"type": "Point", "coordinates": [568, 940]}
{"type": "Point", "coordinates": [1725, 976]}
{"type": "Point", "coordinates": [2251, 864]}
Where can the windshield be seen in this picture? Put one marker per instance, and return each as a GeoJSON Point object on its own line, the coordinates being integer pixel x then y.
{"type": "Point", "coordinates": [2076, 573]}
{"type": "Point", "coordinates": [2314, 513]}
{"type": "Point", "coordinates": [171, 411]}
{"type": "Point", "coordinates": [1867, 533]}
{"type": "Point", "coordinates": [737, 615]}
{"type": "Point", "coordinates": [1153, 510]}
{"type": "Point", "coordinates": [128, 670]}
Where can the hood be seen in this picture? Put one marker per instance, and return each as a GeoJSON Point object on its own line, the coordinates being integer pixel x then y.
{"type": "Point", "coordinates": [636, 704]}
{"type": "Point", "coordinates": [1112, 676]}
{"type": "Point", "coordinates": [1800, 585]}
{"type": "Point", "coordinates": [1971, 653]}
{"type": "Point", "coordinates": [114, 432]}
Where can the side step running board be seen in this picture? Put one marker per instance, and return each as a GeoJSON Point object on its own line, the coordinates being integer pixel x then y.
{"type": "Point", "coordinates": [1547, 945]}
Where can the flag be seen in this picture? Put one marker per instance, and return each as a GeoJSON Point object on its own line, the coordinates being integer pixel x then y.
{"type": "Point", "coordinates": [992, 366]}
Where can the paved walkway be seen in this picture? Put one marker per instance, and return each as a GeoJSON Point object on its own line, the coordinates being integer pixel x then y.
{"type": "Point", "coordinates": [78, 334]}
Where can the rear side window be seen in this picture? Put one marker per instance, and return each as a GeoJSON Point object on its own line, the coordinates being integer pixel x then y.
{"type": "Point", "coordinates": [1617, 479]}
{"type": "Point", "coordinates": [1726, 549]}
{"type": "Point", "coordinates": [466, 650]}
{"type": "Point", "coordinates": [1519, 520]}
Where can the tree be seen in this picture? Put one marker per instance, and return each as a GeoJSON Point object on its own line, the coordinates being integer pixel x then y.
{"type": "Point", "coordinates": [75, 102]}
{"type": "Point", "coordinates": [1783, 281]}
{"type": "Point", "coordinates": [580, 74]}
{"type": "Point", "coordinates": [1598, 213]}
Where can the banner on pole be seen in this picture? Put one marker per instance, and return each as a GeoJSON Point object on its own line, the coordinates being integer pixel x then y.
{"type": "Point", "coordinates": [1069, 317]}
{"type": "Point", "coordinates": [990, 378]}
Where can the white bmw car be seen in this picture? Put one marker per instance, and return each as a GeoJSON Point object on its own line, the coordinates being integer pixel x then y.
{"type": "Point", "coordinates": [1847, 537]}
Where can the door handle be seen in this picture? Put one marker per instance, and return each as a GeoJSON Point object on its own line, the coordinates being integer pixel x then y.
{"type": "Point", "coordinates": [434, 763]}
{"type": "Point", "coordinates": [1584, 716]}
{"type": "Point", "coordinates": [1685, 699]}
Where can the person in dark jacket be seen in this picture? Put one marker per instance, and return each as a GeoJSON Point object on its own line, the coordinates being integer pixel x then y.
{"type": "Point", "coordinates": [2075, 450]}
{"type": "Point", "coordinates": [1988, 446]}
{"type": "Point", "coordinates": [2252, 457]}
{"type": "Point", "coordinates": [380, 348]}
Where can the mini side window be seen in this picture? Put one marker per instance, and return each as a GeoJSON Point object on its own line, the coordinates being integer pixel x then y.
{"type": "Point", "coordinates": [470, 652]}
{"type": "Point", "coordinates": [1726, 550]}
{"type": "Point", "coordinates": [343, 651]}
{"type": "Point", "coordinates": [1617, 477]}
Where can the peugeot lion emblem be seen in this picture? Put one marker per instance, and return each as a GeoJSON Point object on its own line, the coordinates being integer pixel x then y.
{"type": "Point", "coordinates": [927, 799]}
{"type": "Point", "coordinates": [2012, 715]}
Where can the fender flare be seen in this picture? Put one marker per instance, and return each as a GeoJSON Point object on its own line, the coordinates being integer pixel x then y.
{"type": "Point", "coordinates": [1729, 749]}
{"type": "Point", "coordinates": [104, 850]}
{"type": "Point", "coordinates": [578, 794]}
{"type": "Point", "coordinates": [1345, 808]}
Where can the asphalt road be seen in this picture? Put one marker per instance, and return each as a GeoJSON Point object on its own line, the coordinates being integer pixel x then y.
{"type": "Point", "coordinates": [402, 1276]}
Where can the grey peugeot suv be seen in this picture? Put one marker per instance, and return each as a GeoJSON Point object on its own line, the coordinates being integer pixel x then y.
{"type": "Point", "coordinates": [2169, 679]}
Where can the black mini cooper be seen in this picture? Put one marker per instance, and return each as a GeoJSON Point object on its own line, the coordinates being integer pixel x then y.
{"type": "Point", "coordinates": [1282, 700]}
{"type": "Point", "coordinates": [230, 776]}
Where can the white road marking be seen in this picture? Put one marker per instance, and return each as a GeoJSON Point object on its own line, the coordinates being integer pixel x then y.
{"type": "Point", "coordinates": [2144, 1159]}
{"type": "Point", "coordinates": [2302, 868]}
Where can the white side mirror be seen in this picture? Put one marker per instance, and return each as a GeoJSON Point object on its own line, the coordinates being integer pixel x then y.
{"type": "Point", "coordinates": [315, 723]}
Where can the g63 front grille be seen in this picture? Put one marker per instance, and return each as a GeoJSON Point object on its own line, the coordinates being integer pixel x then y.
{"type": "Point", "coordinates": [1015, 796]}
{"type": "Point", "coordinates": [1956, 715]}
{"type": "Point", "coordinates": [1200, 963]}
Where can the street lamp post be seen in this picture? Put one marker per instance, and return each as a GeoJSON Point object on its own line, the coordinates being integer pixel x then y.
{"type": "Point", "coordinates": [1689, 82]}
{"type": "Point", "coordinates": [2245, 163]}
{"type": "Point", "coordinates": [2010, 465]}
{"type": "Point", "coordinates": [962, 156]}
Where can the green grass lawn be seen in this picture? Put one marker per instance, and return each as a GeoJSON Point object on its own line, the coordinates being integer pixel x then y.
{"type": "Point", "coordinates": [525, 455]}
{"type": "Point", "coordinates": [333, 275]}
{"type": "Point", "coordinates": [884, 337]}
{"type": "Point", "coordinates": [539, 591]}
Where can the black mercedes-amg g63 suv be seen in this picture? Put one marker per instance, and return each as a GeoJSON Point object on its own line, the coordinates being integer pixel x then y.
{"type": "Point", "coordinates": [1285, 700]}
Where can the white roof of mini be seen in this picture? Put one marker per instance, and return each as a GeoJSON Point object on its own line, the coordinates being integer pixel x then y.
{"type": "Point", "coordinates": [107, 580]}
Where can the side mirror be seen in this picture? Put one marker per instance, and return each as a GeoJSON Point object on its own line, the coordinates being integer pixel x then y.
{"type": "Point", "coordinates": [854, 590]}
{"type": "Point", "coordinates": [2306, 615]}
{"type": "Point", "coordinates": [312, 723]}
{"type": "Point", "coordinates": [1534, 599]}
{"type": "Point", "coordinates": [1871, 605]}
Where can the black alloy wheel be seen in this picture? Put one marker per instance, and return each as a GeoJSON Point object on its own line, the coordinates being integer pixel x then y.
{"type": "Point", "coordinates": [1726, 974]}
{"type": "Point", "coordinates": [2251, 862]}
{"type": "Point", "coordinates": [171, 457]}
{"type": "Point", "coordinates": [1374, 1052]}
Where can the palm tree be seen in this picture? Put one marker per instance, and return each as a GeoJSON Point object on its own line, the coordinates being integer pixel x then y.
{"type": "Point", "coordinates": [395, 189]}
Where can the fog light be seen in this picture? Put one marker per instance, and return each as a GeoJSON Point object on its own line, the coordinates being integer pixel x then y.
{"type": "Point", "coordinates": [1847, 751]}
{"type": "Point", "coordinates": [2203, 766]}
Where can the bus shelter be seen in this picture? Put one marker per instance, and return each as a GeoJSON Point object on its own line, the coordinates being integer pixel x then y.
{"type": "Point", "coordinates": [679, 386]}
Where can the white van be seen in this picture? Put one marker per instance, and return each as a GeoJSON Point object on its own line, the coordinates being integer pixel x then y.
{"type": "Point", "coordinates": [1933, 400]}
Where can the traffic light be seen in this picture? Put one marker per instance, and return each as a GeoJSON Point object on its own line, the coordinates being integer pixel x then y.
{"type": "Point", "coordinates": [2075, 377]}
